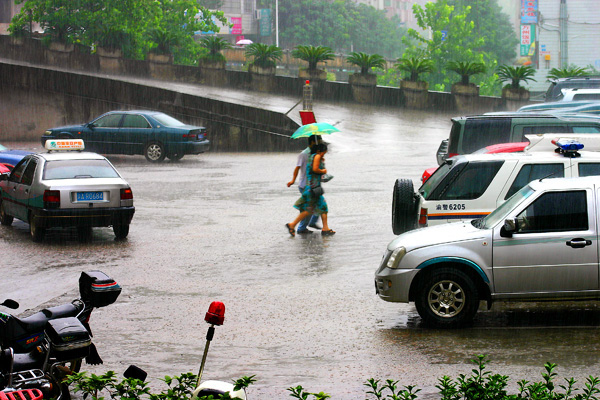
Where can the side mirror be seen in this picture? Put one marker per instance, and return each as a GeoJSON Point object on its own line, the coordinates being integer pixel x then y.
{"type": "Point", "coordinates": [4, 177]}
{"type": "Point", "coordinates": [509, 227]}
{"type": "Point", "coordinates": [91, 125]}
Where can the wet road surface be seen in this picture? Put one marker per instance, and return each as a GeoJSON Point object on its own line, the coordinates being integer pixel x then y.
{"type": "Point", "coordinates": [300, 311]}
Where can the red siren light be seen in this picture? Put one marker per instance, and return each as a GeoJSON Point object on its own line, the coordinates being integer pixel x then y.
{"type": "Point", "coordinates": [308, 82]}
{"type": "Point", "coordinates": [216, 313]}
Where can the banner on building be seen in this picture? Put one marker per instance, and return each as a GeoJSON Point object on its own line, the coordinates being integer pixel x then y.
{"type": "Point", "coordinates": [527, 40]}
{"type": "Point", "coordinates": [264, 23]}
{"type": "Point", "coordinates": [236, 29]}
{"type": "Point", "coordinates": [529, 12]}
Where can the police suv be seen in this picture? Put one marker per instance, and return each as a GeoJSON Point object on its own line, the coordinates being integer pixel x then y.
{"type": "Point", "coordinates": [471, 186]}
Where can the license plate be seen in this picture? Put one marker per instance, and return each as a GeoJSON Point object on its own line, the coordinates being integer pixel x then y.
{"type": "Point", "coordinates": [90, 196]}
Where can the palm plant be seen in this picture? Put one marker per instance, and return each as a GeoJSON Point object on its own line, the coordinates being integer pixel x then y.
{"type": "Point", "coordinates": [466, 69]}
{"type": "Point", "coordinates": [366, 61]}
{"type": "Point", "coordinates": [313, 55]}
{"type": "Point", "coordinates": [163, 40]}
{"type": "Point", "coordinates": [415, 66]}
{"type": "Point", "coordinates": [265, 56]}
{"type": "Point", "coordinates": [214, 45]}
{"type": "Point", "coordinates": [567, 72]}
{"type": "Point", "coordinates": [516, 74]}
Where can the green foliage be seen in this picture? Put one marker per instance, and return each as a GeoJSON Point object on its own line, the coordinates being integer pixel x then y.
{"type": "Point", "coordinates": [133, 26]}
{"type": "Point", "coordinates": [466, 69]}
{"type": "Point", "coordinates": [265, 56]}
{"type": "Point", "coordinates": [415, 66]}
{"type": "Point", "coordinates": [390, 77]}
{"type": "Point", "coordinates": [313, 55]}
{"type": "Point", "coordinates": [366, 61]}
{"type": "Point", "coordinates": [179, 387]}
{"type": "Point", "coordinates": [516, 74]}
{"type": "Point", "coordinates": [341, 25]}
{"type": "Point", "coordinates": [299, 393]}
{"type": "Point", "coordinates": [214, 45]}
{"type": "Point", "coordinates": [567, 72]}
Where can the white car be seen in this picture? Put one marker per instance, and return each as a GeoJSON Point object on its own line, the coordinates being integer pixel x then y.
{"type": "Point", "coordinates": [66, 187]}
{"type": "Point", "coordinates": [473, 185]}
{"type": "Point", "coordinates": [541, 244]}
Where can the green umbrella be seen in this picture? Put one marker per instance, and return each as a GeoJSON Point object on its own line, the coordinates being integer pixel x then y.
{"type": "Point", "coordinates": [318, 128]}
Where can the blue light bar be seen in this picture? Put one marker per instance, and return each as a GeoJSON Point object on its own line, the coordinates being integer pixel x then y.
{"type": "Point", "coordinates": [569, 145]}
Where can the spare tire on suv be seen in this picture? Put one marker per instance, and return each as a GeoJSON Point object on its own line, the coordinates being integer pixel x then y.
{"type": "Point", "coordinates": [404, 207]}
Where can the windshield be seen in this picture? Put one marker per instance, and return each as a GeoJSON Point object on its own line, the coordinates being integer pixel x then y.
{"type": "Point", "coordinates": [500, 213]}
{"type": "Point", "coordinates": [431, 183]}
{"type": "Point", "coordinates": [167, 120]}
{"type": "Point", "coordinates": [79, 169]}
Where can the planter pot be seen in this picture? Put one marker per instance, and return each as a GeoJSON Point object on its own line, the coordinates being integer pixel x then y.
{"type": "Point", "coordinates": [212, 72]}
{"type": "Point", "coordinates": [515, 98]}
{"type": "Point", "coordinates": [262, 78]}
{"type": "Point", "coordinates": [110, 60]}
{"type": "Point", "coordinates": [363, 87]}
{"type": "Point", "coordinates": [160, 66]}
{"type": "Point", "coordinates": [466, 97]}
{"type": "Point", "coordinates": [416, 94]}
{"type": "Point", "coordinates": [59, 53]}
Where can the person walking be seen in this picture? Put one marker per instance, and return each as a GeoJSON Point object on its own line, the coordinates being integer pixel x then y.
{"type": "Point", "coordinates": [313, 202]}
{"type": "Point", "coordinates": [310, 220]}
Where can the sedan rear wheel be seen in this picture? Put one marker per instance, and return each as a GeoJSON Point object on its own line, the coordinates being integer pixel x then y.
{"type": "Point", "coordinates": [37, 233]}
{"type": "Point", "coordinates": [5, 219]}
{"type": "Point", "coordinates": [155, 152]}
{"type": "Point", "coordinates": [121, 231]}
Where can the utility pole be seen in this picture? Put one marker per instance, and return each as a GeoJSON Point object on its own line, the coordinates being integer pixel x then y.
{"type": "Point", "coordinates": [564, 42]}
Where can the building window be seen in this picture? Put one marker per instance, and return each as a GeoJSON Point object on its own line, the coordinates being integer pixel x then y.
{"type": "Point", "coordinates": [248, 6]}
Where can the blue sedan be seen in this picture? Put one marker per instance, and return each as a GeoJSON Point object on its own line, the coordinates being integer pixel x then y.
{"type": "Point", "coordinates": [151, 133]}
{"type": "Point", "coordinates": [10, 158]}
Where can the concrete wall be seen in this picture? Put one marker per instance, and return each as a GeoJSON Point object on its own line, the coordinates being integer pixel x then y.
{"type": "Point", "coordinates": [34, 99]}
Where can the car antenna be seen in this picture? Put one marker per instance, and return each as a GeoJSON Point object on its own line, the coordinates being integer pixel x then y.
{"type": "Point", "coordinates": [547, 176]}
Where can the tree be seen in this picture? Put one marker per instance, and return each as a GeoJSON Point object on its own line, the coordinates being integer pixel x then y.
{"type": "Point", "coordinates": [265, 56]}
{"type": "Point", "coordinates": [466, 69]}
{"type": "Point", "coordinates": [366, 61]}
{"type": "Point", "coordinates": [313, 55]}
{"type": "Point", "coordinates": [341, 25]}
{"type": "Point", "coordinates": [491, 23]}
{"type": "Point", "coordinates": [415, 66]}
{"type": "Point", "coordinates": [516, 74]}
{"type": "Point", "coordinates": [567, 72]}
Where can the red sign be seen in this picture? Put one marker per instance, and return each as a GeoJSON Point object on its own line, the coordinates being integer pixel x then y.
{"type": "Point", "coordinates": [236, 29]}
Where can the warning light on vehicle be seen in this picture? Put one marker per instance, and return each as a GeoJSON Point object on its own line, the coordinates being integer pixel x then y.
{"type": "Point", "coordinates": [216, 313]}
{"type": "Point", "coordinates": [568, 144]}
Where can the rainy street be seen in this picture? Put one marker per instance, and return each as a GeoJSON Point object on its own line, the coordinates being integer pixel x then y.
{"type": "Point", "coordinates": [299, 311]}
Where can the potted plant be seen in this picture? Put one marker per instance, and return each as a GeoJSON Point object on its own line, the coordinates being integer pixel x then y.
{"type": "Point", "coordinates": [213, 58]}
{"type": "Point", "coordinates": [263, 66]}
{"type": "Point", "coordinates": [363, 83]}
{"type": "Point", "coordinates": [567, 72]}
{"type": "Point", "coordinates": [465, 93]}
{"type": "Point", "coordinates": [513, 93]}
{"type": "Point", "coordinates": [415, 91]}
{"type": "Point", "coordinates": [162, 45]}
{"type": "Point", "coordinates": [313, 55]}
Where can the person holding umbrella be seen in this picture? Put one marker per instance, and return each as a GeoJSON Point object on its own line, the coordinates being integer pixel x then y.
{"type": "Point", "coordinates": [312, 200]}
{"type": "Point", "coordinates": [310, 220]}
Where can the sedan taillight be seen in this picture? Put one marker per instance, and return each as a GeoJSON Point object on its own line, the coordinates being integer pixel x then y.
{"type": "Point", "coordinates": [126, 194]}
{"type": "Point", "coordinates": [51, 198]}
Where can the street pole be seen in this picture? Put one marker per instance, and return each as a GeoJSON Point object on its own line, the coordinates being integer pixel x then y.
{"type": "Point", "coordinates": [277, 23]}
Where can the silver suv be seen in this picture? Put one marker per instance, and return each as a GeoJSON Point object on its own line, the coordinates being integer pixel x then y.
{"type": "Point", "coordinates": [541, 244]}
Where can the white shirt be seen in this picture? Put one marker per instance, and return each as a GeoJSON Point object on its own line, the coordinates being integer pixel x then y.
{"type": "Point", "coordinates": [302, 160]}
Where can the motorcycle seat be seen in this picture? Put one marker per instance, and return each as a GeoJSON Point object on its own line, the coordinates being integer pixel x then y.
{"type": "Point", "coordinates": [37, 321]}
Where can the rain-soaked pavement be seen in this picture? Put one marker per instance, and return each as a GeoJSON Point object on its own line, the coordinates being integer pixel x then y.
{"type": "Point", "coordinates": [300, 311]}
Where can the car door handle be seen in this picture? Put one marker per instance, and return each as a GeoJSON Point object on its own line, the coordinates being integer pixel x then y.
{"type": "Point", "coordinates": [578, 243]}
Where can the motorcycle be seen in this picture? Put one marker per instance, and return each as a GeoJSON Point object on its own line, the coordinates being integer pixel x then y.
{"type": "Point", "coordinates": [38, 351]}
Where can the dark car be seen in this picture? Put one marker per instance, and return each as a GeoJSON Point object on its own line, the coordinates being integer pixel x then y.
{"type": "Point", "coordinates": [154, 134]}
{"type": "Point", "coordinates": [555, 90]}
{"type": "Point", "coordinates": [10, 158]}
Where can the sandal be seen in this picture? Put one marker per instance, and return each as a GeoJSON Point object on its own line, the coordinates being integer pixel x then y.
{"type": "Point", "coordinates": [330, 232]}
{"type": "Point", "coordinates": [290, 230]}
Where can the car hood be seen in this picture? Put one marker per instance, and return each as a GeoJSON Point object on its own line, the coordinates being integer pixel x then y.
{"type": "Point", "coordinates": [439, 234]}
{"type": "Point", "coordinates": [68, 127]}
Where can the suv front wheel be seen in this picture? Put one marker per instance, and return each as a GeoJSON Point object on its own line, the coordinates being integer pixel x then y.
{"type": "Point", "coordinates": [447, 298]}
